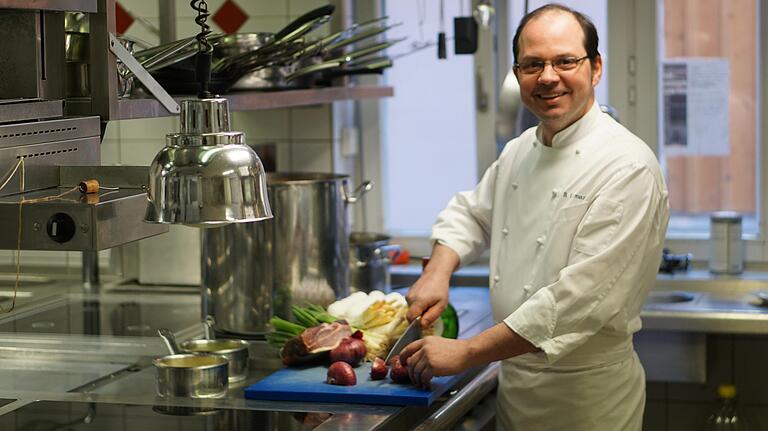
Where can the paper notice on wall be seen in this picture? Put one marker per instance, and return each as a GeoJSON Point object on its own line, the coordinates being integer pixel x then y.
{"type": "Point", "coordinates": [695, 117]}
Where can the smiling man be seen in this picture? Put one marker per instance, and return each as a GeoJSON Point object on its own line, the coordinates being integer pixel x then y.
{"type": "Point", "coordinates": [575, 212]}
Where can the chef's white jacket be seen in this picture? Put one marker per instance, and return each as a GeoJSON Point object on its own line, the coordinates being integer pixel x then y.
{"type": "Point", "coordinates": [575, 232]}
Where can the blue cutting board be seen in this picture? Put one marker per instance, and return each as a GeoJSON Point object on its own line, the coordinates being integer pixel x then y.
{"type": "Point", "coordinates": [308, 384]}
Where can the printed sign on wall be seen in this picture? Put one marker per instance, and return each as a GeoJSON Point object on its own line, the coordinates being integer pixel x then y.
{"type": "Point", "coordinates": [695, 113]}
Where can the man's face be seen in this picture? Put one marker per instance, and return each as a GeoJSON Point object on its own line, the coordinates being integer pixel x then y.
{"type": "Point", "coordinates": [558, 99]}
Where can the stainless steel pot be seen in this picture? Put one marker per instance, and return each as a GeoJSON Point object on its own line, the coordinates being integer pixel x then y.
{"type": "Point", "coordinates": [369, 262]}
{"type": "Point", "coordinates": [195, 375]}
{"type": "Point", "coordinates": [251, 271]}
{"type": "Point", "coordinates": [235, 351]}
{"type": "Point", "coordinates": [191, 375]}
{"type": "Point", "coordinates": [77, 66]}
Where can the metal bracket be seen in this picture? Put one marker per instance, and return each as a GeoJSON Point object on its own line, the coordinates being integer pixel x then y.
{"type": "Point", "coordinates": [149, 82]}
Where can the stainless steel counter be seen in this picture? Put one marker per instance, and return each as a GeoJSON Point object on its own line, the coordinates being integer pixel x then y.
{"type": "Point", "coordinates": [88, 357]}
{"type": "Point", "coordinates": [693, 301]}
{"type": "Point", "coordinates": [64, 346]}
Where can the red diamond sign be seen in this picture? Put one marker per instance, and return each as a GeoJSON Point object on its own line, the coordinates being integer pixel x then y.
{"type": "Point", "coordinates": [123, 19]}
{"type": "Point", "coordinates": [230, 17]}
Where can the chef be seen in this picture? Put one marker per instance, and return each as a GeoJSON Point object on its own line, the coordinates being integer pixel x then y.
{"type": "Point", "coordinates": [574, 211]}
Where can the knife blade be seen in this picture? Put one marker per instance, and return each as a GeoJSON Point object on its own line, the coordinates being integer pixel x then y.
{"type": "Point", "coordinates": [411, 334]}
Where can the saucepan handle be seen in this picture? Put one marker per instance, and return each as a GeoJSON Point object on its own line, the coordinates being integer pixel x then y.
{"type": "Point", "coordinates": [355, 196]}
{"type": "Point", "coordinates": [385, 249]}
{"type": "Point", "coordinates": [382, 253]}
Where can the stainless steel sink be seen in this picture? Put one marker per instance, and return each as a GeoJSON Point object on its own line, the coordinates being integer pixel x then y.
{"type": "Point", "coordinates": [700, 302]}
{"type": "Point", "coordinates": [672, 297]}
{"type": "Point", "coordinates": [722, 294]}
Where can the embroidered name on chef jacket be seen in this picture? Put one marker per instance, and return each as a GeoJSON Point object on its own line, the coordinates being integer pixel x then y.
{"type": "Point", "coordinates": [570, 195]}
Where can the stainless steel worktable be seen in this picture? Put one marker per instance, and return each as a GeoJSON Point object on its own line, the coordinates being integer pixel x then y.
{"type": "Point", "coordinates": [83, 361]}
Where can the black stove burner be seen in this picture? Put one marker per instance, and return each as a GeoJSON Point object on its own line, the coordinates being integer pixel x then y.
{"type": "Point", "coordinates": [83, 416]}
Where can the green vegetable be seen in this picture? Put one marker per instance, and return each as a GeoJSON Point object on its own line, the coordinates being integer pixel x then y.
{"type": "Point", "coordinates": [450, 322]}
{"type": "Point", "coordinates": [283, 325]}
{"type": "Point", "coordinates": [305, 317]}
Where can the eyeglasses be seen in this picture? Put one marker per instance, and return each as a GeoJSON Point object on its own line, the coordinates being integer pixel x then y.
{"type": "Point", "coordinates": [564, 64]}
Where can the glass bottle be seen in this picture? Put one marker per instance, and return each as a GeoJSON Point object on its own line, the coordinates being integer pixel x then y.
{"type": "Point", "coordinates": [726, 417]}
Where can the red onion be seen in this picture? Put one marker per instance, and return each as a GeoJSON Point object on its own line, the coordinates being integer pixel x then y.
{"type": "Point", "coordinates": [399, 373]}
{"type": "Point", "coordinates": [342, 374]}
{"type": "Point", "coordinates": [379, 369]}
{"type": "Point", "coordinates": [350, 350]}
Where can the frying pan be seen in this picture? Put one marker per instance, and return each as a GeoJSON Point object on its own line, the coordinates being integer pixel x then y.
{"type": "Point", "coordinates": [180, 78]}
{"type": "Point", "coordinates": [305, 76]}
{"type": "Point", "coordinates": [308, 60]}
{"type": "Point", "coordinates": [309, 75]}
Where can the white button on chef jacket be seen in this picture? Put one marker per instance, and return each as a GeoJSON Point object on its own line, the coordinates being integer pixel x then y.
{"type": "Point", "coordinates": [604, 215]}
{"type": "Point", "coordinates": [578, 296]}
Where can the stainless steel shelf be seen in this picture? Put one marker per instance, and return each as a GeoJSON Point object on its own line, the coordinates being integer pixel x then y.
{"type": "Point", "coordinates": [61, 5]}
{"type": "Point", "coordinates": [251, 101]}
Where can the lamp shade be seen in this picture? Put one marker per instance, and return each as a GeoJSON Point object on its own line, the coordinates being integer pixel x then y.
{"type": "Point", "coordinates": [206, 175]}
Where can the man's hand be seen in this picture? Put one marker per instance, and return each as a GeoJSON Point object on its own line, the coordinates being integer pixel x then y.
{"type": "Point", "coordinates": [427, 298]}
{"type": "Point", "coordinates": [435, 356]}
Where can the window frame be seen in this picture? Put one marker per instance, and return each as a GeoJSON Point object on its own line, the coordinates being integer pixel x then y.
{"type": "Point", "coordinates": [633, 90]}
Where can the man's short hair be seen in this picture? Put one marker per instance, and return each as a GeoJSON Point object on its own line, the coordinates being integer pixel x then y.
{"type": "Point", "coordinates": [587, 27]}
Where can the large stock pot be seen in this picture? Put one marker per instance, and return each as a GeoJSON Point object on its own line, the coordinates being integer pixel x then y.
{"type": "Point", "coordinates": [252, 271]}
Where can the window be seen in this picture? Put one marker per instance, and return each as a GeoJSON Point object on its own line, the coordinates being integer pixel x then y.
{"type": "Point", "coordinates": [708, 57]}
{"type": "Point", "coordinates": [429, 149]}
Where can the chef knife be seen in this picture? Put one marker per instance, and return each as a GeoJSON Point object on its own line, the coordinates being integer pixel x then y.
{"type": "Point", "coordinates": [411, 334]}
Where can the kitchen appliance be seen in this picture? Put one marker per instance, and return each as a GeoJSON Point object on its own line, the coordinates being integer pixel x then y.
{"type": "Point", "coordinates": [206, 175]}
{"type": "Point", "coordinates": [252, 271]}
{"type": "Point", "coordinates": [726, 246]}
{"type": "Point", "coordinates": [369, 262]}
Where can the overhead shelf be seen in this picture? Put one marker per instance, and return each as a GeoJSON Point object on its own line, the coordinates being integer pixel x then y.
{"type": "Point", "coordinates": [256, 100]}
{"type": "Point", "coordinates": [55, 5]}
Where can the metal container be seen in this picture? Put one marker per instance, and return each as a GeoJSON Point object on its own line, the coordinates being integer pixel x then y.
{"type": "Point", "coordinates": [77, 66]}
{"type": "Point", "coordinates": [251, 271]}
{"type": "Point", "coordinates": [192, 375]}
{"type": "Point", "coordinates": [369, 262]}
{"type": "Point", "coordinates": [726, 246]}
{"type": "Point", "coordinates": [235, 351]}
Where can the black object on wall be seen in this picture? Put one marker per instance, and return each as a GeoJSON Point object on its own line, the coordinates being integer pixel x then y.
{"type": "Point", "coordinates": [464, 35]}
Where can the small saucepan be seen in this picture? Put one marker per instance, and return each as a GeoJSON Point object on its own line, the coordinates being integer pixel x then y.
{"type": "Point", "coordinates": [195, 375]}
{"type": "Point", "coordinates": [236, 351]}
